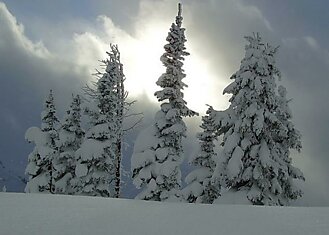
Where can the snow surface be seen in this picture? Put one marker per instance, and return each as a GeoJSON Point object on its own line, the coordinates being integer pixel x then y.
{"type": "Point", "coordinates": [59, 214]}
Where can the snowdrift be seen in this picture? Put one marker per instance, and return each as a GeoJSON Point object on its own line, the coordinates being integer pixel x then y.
{"type": "Point", "coordinates": [54, 214]}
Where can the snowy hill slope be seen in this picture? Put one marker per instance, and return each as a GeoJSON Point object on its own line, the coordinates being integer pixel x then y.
{"type": "Point", "coordinates": [53, 214]}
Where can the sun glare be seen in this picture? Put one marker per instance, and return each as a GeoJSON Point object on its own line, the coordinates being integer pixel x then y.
{"type": "Point", "coordinates": [144, 66]}
{"type": "Point", "coordinates": [204, 86]}
{"type": "Point", "coordinates": [141, 58]}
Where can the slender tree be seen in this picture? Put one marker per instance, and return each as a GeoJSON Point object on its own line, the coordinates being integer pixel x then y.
{"type": "Point", "coordinates": [121, 107]}
{"type": "Point", "coordinates": [199, 187]}
{"type": "Point", "coordinates": [40, 168]}
{"type": "Point", "coordinates": [70, 138]}
{"type": "Point", "coordinates": [158, 151]}
{"type": "Point", "coordinates": [257, 132]}
{"type": "Point", "coordinates": [99, 157]}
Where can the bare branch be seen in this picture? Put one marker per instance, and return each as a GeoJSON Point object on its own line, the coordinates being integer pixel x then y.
{"type": "Point", "coordinates": [133, 114]}
{"type": "Point", "coordinates": [134, 125]}
{"type": "Point", "coordinates": [89, 91]}
{"type": "Point", "coordinates": [130, 103]}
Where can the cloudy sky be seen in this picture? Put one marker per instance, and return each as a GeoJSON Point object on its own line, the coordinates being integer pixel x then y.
{"type": "Point", "coordinates": [57, 44]}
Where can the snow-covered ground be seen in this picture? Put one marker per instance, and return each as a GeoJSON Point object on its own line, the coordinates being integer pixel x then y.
{"type": "Point", "coordinates": [53, 214]}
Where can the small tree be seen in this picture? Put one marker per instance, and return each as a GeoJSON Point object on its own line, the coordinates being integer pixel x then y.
{"type": "Point", "coordinates": [70, 138]}
{"type": "Point", "coordinates": [199, 187]}
{"type": "Point", "coordinates": [40, 167]}
{"type": "Point", "coordinates": [158, 151]}
{"type": "Point", "coordinates": [257, 132]}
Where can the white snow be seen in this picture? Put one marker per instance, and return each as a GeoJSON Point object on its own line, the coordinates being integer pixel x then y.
{"type": "Point", "coordinates": [235, 164]}
{"type": "Point", "coordinates": [81, 170]}
{"type": "Point", "coordinates": [65, 138]}
{"type": "Point", "coordinates": [59, 214]}
{"type": "Point", "coordinates": [92, 149]}
{"type": "Point", "coordinates": [198, 174]}
{"type": "Point", "coordinates": [231, 142]}
{"type": "Point", "coordinates": [264, 154]}
{"type": "Point", "coordinates": [34, 134]}
{"type": "Point", "coordinates": [229, 197]}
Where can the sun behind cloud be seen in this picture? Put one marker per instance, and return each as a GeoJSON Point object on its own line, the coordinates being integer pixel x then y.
{"type": "Point", "coordinates": [141, 50]}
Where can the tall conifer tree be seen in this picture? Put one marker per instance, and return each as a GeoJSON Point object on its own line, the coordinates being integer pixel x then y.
{"type": "Point", "coordinates": [158, 151]}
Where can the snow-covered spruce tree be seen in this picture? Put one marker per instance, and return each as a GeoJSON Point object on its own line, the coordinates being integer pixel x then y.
{"type": "Point", "coordinates": [40, 167]}
{"type": "Point", "coordinates": [98, 155]}
{"type": "Point", "coordinates": [200, 188]}
{"type": "Point", "coordinates": [70, 138]}
{"type": "Point", "coordinates": [158, 150]}
{"type": "Point", "coordinates": [257, 132]}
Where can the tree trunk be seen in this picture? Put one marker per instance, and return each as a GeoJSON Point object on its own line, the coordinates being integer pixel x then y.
{"type": "Point", "coordinates": [118, 170]}
{"type": "Point", "coordinates": [120, 108]}
{"type": "Point", "coordinates": [51, 185]}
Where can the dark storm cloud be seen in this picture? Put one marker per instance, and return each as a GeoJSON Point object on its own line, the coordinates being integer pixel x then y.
{"type": "Point", "coordinates": [217, 28]}
{"type": "Point", "coordinates": [61, 18]}
{"type": "Point", "coordinates": [27, 72]}
{"type": "Point", "coordinates": [294, 18]}
{"type": "Point", "coordinates": [305, 69]}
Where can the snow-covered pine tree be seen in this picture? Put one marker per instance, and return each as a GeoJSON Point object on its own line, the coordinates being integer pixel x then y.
{"type": "Point", "coordinates": [40, 162]}
{"type": "Point", "coordinates": [158, 150]}
{"type": "Point", "coordinates": [200, 188]}
{"type": "Point", "coordinates": [97, 157]}
{"type": "Point", "coordinates": [257, 132]}
{"type": "Point", "coordinates": [70, 138]}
